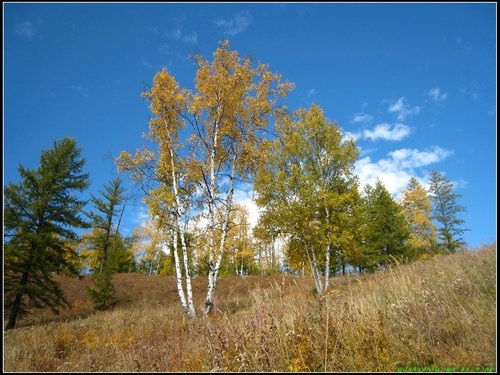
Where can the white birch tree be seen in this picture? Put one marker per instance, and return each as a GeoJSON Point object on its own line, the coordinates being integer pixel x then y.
{"type": "Point", "coordinates": [229, 109]}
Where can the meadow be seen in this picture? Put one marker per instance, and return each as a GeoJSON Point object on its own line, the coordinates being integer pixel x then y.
{"type": "Point", "coordinates": [435, 314]}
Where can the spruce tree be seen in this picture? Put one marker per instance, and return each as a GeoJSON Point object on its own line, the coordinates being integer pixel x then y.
{"type": "Point", "coordinates": [445, 212]}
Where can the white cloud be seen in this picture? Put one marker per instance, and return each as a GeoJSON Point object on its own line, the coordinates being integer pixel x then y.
{"type": "Point", "coordinates": [235, 25]}
{"type": "Point", "coordinates": [384, 131]}
{"type": "Point", "coordinates": [381, 131]}
{"type": "Point", "coordinates": [350, 135]}
{"type": "Point", "coordinates": [140, 215]}
{"type": "Point", "coordinates": [403, 109]}
{"type": "Point", "coordinates": [242, 195]}
{"type": "Point", "coordinates": [244, 198]}
{"type": "Point", "coordinates": [24, 29]}
{"type": "Point", "coordinates": [413, 158]}
{"type": "Point", "coordinates": [361, 117]}
{"type": "Point", "coordinates": [368, 172]}
{"type": "Point", "coordinates": [396, 170]}
{"type": "Point", "coordinates": [436, 95]}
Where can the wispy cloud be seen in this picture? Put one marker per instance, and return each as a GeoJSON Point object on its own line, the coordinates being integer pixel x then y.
{"type": "Point", "coordinates": [361, 118]}
{"type": "Point", "coordinates": [24, 29]}
{"type": "Point", "coordinates": [400, 165]}
{"type": "Point", "coordinates": [178, 34]}
{"type": "Point", "coordinates": [382, 131]}
{"type": "Point", "coordinates": [239, 23]}
{"type": "Point", "coordinates": [436, 95]}
{"type": "Point", "coordinates": [471, 93]}
{"type": "Point", "coordinates": [403, 109]}
{"type": "Point", "coordinates": [82, 90]}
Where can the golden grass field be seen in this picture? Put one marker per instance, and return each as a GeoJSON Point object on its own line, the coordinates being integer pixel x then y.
{"type": "Point", "coordinates": [436, 314]}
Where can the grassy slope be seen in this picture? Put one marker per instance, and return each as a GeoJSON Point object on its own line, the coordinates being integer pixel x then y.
{"type": "Point", "coordinates": [439, 313]}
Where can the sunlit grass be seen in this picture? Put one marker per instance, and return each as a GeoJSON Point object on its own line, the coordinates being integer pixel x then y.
{"type": "Point", "coordinates": [439, 313]}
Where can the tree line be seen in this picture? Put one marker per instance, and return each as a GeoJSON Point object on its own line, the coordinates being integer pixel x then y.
{"type": "Point", "coordinates": [314, 217]}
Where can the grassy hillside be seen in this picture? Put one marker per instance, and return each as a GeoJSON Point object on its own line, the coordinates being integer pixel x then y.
{"type": "Point", "coordinates": [438, 314]}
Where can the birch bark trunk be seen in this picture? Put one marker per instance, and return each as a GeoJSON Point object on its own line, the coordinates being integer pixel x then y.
{"type": "Point", "coordinates": [178, 228]}
{"type": "Point", "coordinates": [314, 269]}
{"type": "Point", "coordinates": [214, 271]}
{"type": "Point", "coordinates": [178, 271]}
{"type": "Point", "coordinates": [212, 267]}
{"type": "Point", "coordinates": [327, 260]}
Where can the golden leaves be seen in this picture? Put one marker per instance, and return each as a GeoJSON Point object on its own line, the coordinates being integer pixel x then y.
{"type": "Point", "coordinates": [231, 105]}
{"type": "Point", "coordinates": [417, 208]}
{"type": "Point", "coordinates": [167, 103]}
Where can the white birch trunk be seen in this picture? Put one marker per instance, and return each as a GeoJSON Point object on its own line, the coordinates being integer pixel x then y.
{"type": "Point", "coordinates": [212, 269]}
{"type": "Point", "coordinates": [327, 260]}
{"type": "Point", "coordinates": [327, 266]}
{"type": "Point", "coordinates": [178, 272]}
{"type": "Point", "coordinates": [189, 291]}
{"type": "Point", "coordinates": [317, 280]}
{"type": "Point", "coordinates": [316, 272]}
{"type": "Point", "coordinates": [178, 228]}
{"type": "Point", "coordinates": [213, 272]}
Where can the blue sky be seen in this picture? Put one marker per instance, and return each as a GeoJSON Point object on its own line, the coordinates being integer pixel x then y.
{"type": "Point", "coordinates": [413, 83]}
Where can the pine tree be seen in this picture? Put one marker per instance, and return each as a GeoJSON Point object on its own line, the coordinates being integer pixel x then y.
{"type": "Point", "coordinates": [445, 212]}
{"type": "Point", "coordinates": [40, 214]}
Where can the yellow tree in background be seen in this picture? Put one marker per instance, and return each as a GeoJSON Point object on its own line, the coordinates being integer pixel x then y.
{"type": "Point", "coordinates": [417, 208]}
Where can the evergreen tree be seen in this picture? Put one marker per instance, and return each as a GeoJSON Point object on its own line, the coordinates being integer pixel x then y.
{"type": "Point", "coordinates": [107, 243]}
{"type": "Point", "coordinates": [386, 232]}
{"type": "Point", "coordinates": [40, 214]}
{"type": "Point", "coordinates": [445, 211]}
{"type": "Point", "coordinates": [103, 294]}
{"type": "Point", "coordinates": [105, 228]}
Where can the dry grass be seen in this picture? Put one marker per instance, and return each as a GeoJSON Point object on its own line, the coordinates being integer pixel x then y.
{"type": "Point", "coordinates": [439, 314]}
